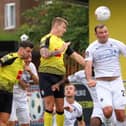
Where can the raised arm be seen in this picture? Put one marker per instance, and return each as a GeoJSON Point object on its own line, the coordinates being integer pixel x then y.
{"type": "Point", "coordinates": [45, 53]}
{"type": "Point", "coordinates": [88, 72]}
{"type": "Point", "coordinates": [78, 58]}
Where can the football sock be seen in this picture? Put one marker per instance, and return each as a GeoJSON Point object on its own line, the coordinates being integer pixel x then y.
{"type": "Point", "coordinates": [48, 118]}
{"type": "Point", "coordinates": [60, 118]}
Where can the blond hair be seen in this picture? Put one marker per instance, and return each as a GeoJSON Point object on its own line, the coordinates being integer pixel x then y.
{"type": "Point", "coordinates": [59, 20]}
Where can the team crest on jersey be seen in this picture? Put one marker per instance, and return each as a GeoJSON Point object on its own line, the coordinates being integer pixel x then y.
{"type": "Point", "coordinates": [101, 99]}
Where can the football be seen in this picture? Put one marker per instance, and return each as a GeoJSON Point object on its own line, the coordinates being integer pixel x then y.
{"type": "Point", "coordinates": [24, 37]}
{"type": "Point", "coordinates": [102, 13]}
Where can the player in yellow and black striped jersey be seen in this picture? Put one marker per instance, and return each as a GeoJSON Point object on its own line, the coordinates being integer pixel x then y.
{"type": "Point", "coordinates": [11, 68]}
{"type": "Point", "coordinates": [52, 69]}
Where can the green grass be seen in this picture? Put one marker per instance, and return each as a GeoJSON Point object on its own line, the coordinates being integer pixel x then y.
{"type": "Point", "coordinates": [5, 36]}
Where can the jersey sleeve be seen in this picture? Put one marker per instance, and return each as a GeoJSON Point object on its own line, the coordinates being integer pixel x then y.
{"type": "Point", "coordinates": [69, 51]}
{"type": "Point", "coordinates": [72, 78]}
{"type": "Point", "coordinates": [122, 47]}
{"type": "Point", "coordinates": [33, 69]}
{"type": "Point", "coordinates": [45, 43]}
{"type": "Point", "coordinates": [77, 77]}
{"type": "Point", "coordinates": [88, 54]}
{"type": "Point", "coordinates": [78, 109]}
{"type": "Point", "coordinates": [8, 59]}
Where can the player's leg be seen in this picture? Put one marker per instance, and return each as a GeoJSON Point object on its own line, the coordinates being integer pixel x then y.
{"type": "Point", "coordinates": [95, 121]}
{"type": "Point", "coordinates": [48, 114]}
{"type": "Point", "coordinates": [12, 118]}
{"type": "Point", "coordinates": [60, 111]}
{"type": "Point", "coordinates": [5, 107]}
{"type": "Point", "coordinates": [104, 94]}
{"type": "Point", "coordinates": [119, 101]}
{"type": "Point", "coordinates": [22, 113]}
{"type": "Point", "coordinates": [120, 113]}
{"type": "Point", "coordinates": [46, 81]}
{"type": "Point", "coordinates": [97, 117]}
{"type": "Point", "coordinates": [59, 102]}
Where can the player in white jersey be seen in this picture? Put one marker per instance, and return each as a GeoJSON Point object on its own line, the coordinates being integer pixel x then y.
{"type": "Point", "coordinates": [97, 117]}
{"type": "Point", "coordinates": [72, 109]}
{"type": "Point", "coordinates": [103, 54]}
{"type": "Point", "coordinates": [20, 103]}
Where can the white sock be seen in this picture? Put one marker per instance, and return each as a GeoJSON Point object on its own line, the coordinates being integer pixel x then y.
{"type": "Point", "coordinates": [109, 121]}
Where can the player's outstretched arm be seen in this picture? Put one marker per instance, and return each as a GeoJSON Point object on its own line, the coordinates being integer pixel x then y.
{"type": "Point", "coordinates": [88, 72]}
{"type": "Point", "coordinates": [57, 85]}
{"type": "Point", "coordinates": [78, 58]}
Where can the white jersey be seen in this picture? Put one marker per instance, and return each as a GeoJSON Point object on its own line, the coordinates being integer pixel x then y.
{"type": "Point", "coordinates": [18, 93]}
{"type": "Point", "coordinates": [20, 110]}
{"type": "Point", "coordinates": [71, 117]}
{"type": "Point", "coordinates": [105, 57]}
{"type": "Point", "coordinates": [79, 78]}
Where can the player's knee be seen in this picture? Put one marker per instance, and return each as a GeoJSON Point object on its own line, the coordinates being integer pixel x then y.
{"type": "Point", "coordinates": [49, 107]}
{"type": "Point", "coordinates": [120, 117]}
{"type": "Point", "coordinates": [11, 123]}
{"type": "Point", "coordinates": [108, 111]}
{"type": "Point", "coordinates": [95, 121]}
{"type": "Point", "coordinates": [3, 123]}
{"type": "Point", "coordinates": [60, 109]}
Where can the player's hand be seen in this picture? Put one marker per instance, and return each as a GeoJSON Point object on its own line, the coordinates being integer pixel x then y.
{"type": "Point", "coordinates": [68, 108]}
{"type": "Point", "coordinates": [27, 68]}
{"type": "Point", "coordinates": [24, 85]}
{"type": "Point", "coordinates": [44, 52]}
{"type": "Point", "coordinates": [55, 87]}
{"type": "Point", "coordinates": [64, 47]}
{"type": "Point", "coordinates": [91, 83]}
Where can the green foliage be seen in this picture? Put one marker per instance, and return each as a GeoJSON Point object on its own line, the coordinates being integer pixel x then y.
{"type": "Point", "coordinates": [38, 22]}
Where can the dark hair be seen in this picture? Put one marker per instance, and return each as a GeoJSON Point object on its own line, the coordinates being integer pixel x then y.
{"type": "Point", "coordinates": [99, 26]}
{"type": "Point", "coordinates": [25, 44]}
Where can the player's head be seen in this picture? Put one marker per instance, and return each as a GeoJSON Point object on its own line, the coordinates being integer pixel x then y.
{"type": "Point", "coordinates": [59, 26]}
{"type": "Point", "coordinates": [101, 32]}
{"type": "Point", "coordinates": [70, 90]}
{"type": "Point", "coordinates": [28, 60]}
{"type": "Point", "coordinates": [25, 49]}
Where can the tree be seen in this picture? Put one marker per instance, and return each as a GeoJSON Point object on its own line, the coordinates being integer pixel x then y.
{"type": "Point", "coordinates": [38, 22]}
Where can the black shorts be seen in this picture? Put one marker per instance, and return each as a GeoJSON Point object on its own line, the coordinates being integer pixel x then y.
{"type": "Point", "coordinates": [5, 101]}
{"type": "Point", "coordinates": [46, 80]}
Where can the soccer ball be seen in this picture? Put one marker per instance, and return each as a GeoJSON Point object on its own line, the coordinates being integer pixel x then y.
{"type": "Point", "coordinates": [102, 13]}
{"type": "Point", "coordinates": [36, 106]}
{"type": "Point", "coordinates": [24, 37]}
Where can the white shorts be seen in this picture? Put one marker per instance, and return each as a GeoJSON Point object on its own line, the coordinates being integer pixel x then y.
{"type": "Point", "coordinates": [20, 112]}
{"type": "Point", "coordinates": [111, 93]}
{"type": "Point", "coordinates": [97, 112]}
